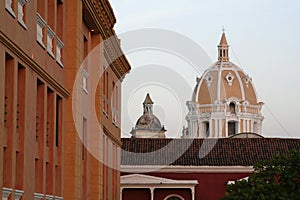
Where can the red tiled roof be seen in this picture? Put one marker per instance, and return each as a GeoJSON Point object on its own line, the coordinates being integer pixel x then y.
{"type": "Point", "coordinates": [220, 152]}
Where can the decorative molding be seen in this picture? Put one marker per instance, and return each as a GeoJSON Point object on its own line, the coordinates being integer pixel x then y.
{"type": "Point", "coordinates": [208, 79]}
{"type": "Point", "coordinates": [6, 192]}
{"type": "Point", "coordinates": [112, 137]}
{"type": "Point", "coordinates": [18, 194]}
{"type": "Point", "coordinates": [38, 196]}
{"type": "Point", "coordinates": [50, 36]}
{"type": "Point", "coordinates": [41, 23]}
{"type": "Point", "coordinates": [49, 197]}
{"type": "Point", "coordinates": [21, 4]}
{"type": "Point", "coordinates": [186, 169]}
{"type": "Point", "coordinates": [8, 7]}
{"type": "Point", "coordinates": [32, 64]}
{"type": "Point", "coordinates": [120, 64]}
{"type": "Point", "coordinates": [59, 46]}
{"type": "Point", "coordinates": [229, 78]}
{"type": "Point", "coordinates": [247, 80]}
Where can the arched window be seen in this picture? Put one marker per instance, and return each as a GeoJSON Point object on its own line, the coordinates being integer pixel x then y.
{"type": "Point", "coordinates": [174, 197]}
{"type": "Point", "coordinates": [232, 107]}
{"type": "Point", "coordinates": [207, 129]}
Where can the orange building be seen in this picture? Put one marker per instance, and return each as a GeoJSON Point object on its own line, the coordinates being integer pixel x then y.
{"type": "Point", "coordinates": [42, 46]}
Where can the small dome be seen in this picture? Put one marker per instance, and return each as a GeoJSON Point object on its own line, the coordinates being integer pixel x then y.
{"type": "Point", "coordinates": [149, 122]}
{"type": "Point", "coordinates": [148, 125]}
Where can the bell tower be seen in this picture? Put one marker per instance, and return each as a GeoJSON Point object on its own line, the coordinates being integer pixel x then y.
{"type": "Point", "coordinates": [223, 48]}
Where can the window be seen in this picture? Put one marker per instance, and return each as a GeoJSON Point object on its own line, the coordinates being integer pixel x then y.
{"type": "Point", "coordinates": [50, 118]}
{"type": "Point", "coordinates": [115, 111]}
{"type": "Point", "coordinates": [58, 121]}
{"type": "Point", "coordinates": [83, 139]}
{"type": "Point", "coordinates": [232, 108]}
{"type": "Point", "coordinates": [105, 91]}
{"type": "Point", "coordinates": [207, 131]}
{"type": "Point", "coordinates": [174, 197]}
{"type": "Point", "coordinates": [9, 92]}
{"type": "Point", "coordinates": [85, 81]}
{"type": "Point", "coordinates": [231, 128]}
{"type": "Point", "coordinates": [85, 47]}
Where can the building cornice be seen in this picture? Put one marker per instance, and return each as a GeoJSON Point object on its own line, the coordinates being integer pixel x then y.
{"type": "Point", "coordinates": [104, 20]}
{"type": "Point", "coordinates": [185, 169]}
{"type": "Point", "coordinates": [33, 65]}
{"type": "Point", "coordinates": [112, 137]}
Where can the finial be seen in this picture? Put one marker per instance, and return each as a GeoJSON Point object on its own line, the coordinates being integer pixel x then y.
{"type": "Point", "coordinates": [223, 29]}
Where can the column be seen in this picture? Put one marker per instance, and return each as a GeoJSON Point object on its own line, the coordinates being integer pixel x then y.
{"type": "Point", "coordinates": [193, 193]}
{"type": "Point", "coordinates": [152, 193]}
{"type": "Point", "coordinates": [216, 128]}
{"type": "Point", "coordinates": [220, 128]}
{"type": "Point", "coordinates": [121, 192]}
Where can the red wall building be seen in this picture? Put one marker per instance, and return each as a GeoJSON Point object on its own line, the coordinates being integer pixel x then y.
{"type": "Point", "coordinates": [164, 168]}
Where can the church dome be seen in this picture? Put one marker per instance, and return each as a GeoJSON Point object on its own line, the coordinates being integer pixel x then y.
{"type": "Point", "coordinates": [224, 101]}
{"type": "Point", "coordinates": [148, 125]}
{"type": "Point", "coordinates": [148, 121]}
{"type": "Point", "coordinates": [224, 81]}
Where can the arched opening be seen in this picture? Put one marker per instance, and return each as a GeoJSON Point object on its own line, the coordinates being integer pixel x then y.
{"type": "Point", "coordinates": [232, 108]}
{"type": "Point", "coordinates": [174, 197]}
{"type": "Point", "coordinates": [207, 129]}
{"type": "Point", "coordinates": [232, 128]}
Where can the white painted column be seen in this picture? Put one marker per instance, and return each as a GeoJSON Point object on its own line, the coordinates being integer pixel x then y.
{"type": "Point", "coordinates": [248, 125]}
{"type": "Point", "coordinates": [193, 193]}
{"type": "Point", "coordinates": [226, 127]}
{"type": "Point", "coordinates": [152, 193]}
{"type": "Point", "coordinates": [216, 128]}
{"type": "Point", "coordinates": [210, 128]}
{"type": "Point", "coordinates": [220, 128]}
{"type": "Point", "coordinates": [121, 192]}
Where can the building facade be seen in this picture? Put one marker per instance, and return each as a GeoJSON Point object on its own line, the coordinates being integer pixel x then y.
{"type": "Point", "coordinates": [42, 47]}
{"type": "Point", "coordinates": [187, 169]}
{"type": "Point", "coordinates": [148, 125]}
{"type": "Point", "coordinates": [32, 99]}
{"type": "Point", "coordinates": [224, 101]}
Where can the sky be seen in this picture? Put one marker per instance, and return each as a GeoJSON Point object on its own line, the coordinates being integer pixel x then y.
{"type": "Point", "coordinates": [264, 39]}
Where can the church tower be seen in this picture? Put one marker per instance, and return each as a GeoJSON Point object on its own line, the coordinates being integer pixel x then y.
{"type": "Point", "coordinates": [148, 125]}
{"type": "Point", "coordinates": [224, 102]}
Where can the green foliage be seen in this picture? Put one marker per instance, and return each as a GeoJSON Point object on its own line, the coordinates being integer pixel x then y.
{"type": "Point", "coordinates": [277, 178]}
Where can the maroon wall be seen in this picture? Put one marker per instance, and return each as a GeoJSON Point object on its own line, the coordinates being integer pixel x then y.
{"type": "Point", "coordinates": [211, 186]}
{"type": "Point", "coordinates": [131, 194]}
{"type": "Point", "coordinates": [161, 194]}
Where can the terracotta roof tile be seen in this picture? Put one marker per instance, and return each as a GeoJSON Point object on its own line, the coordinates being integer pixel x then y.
{"type": "Point", "coordinates": [220, 152]}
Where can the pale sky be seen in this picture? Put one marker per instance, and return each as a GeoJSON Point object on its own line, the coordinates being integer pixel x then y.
{"type": "Point", "coordinates": [264, 39]}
